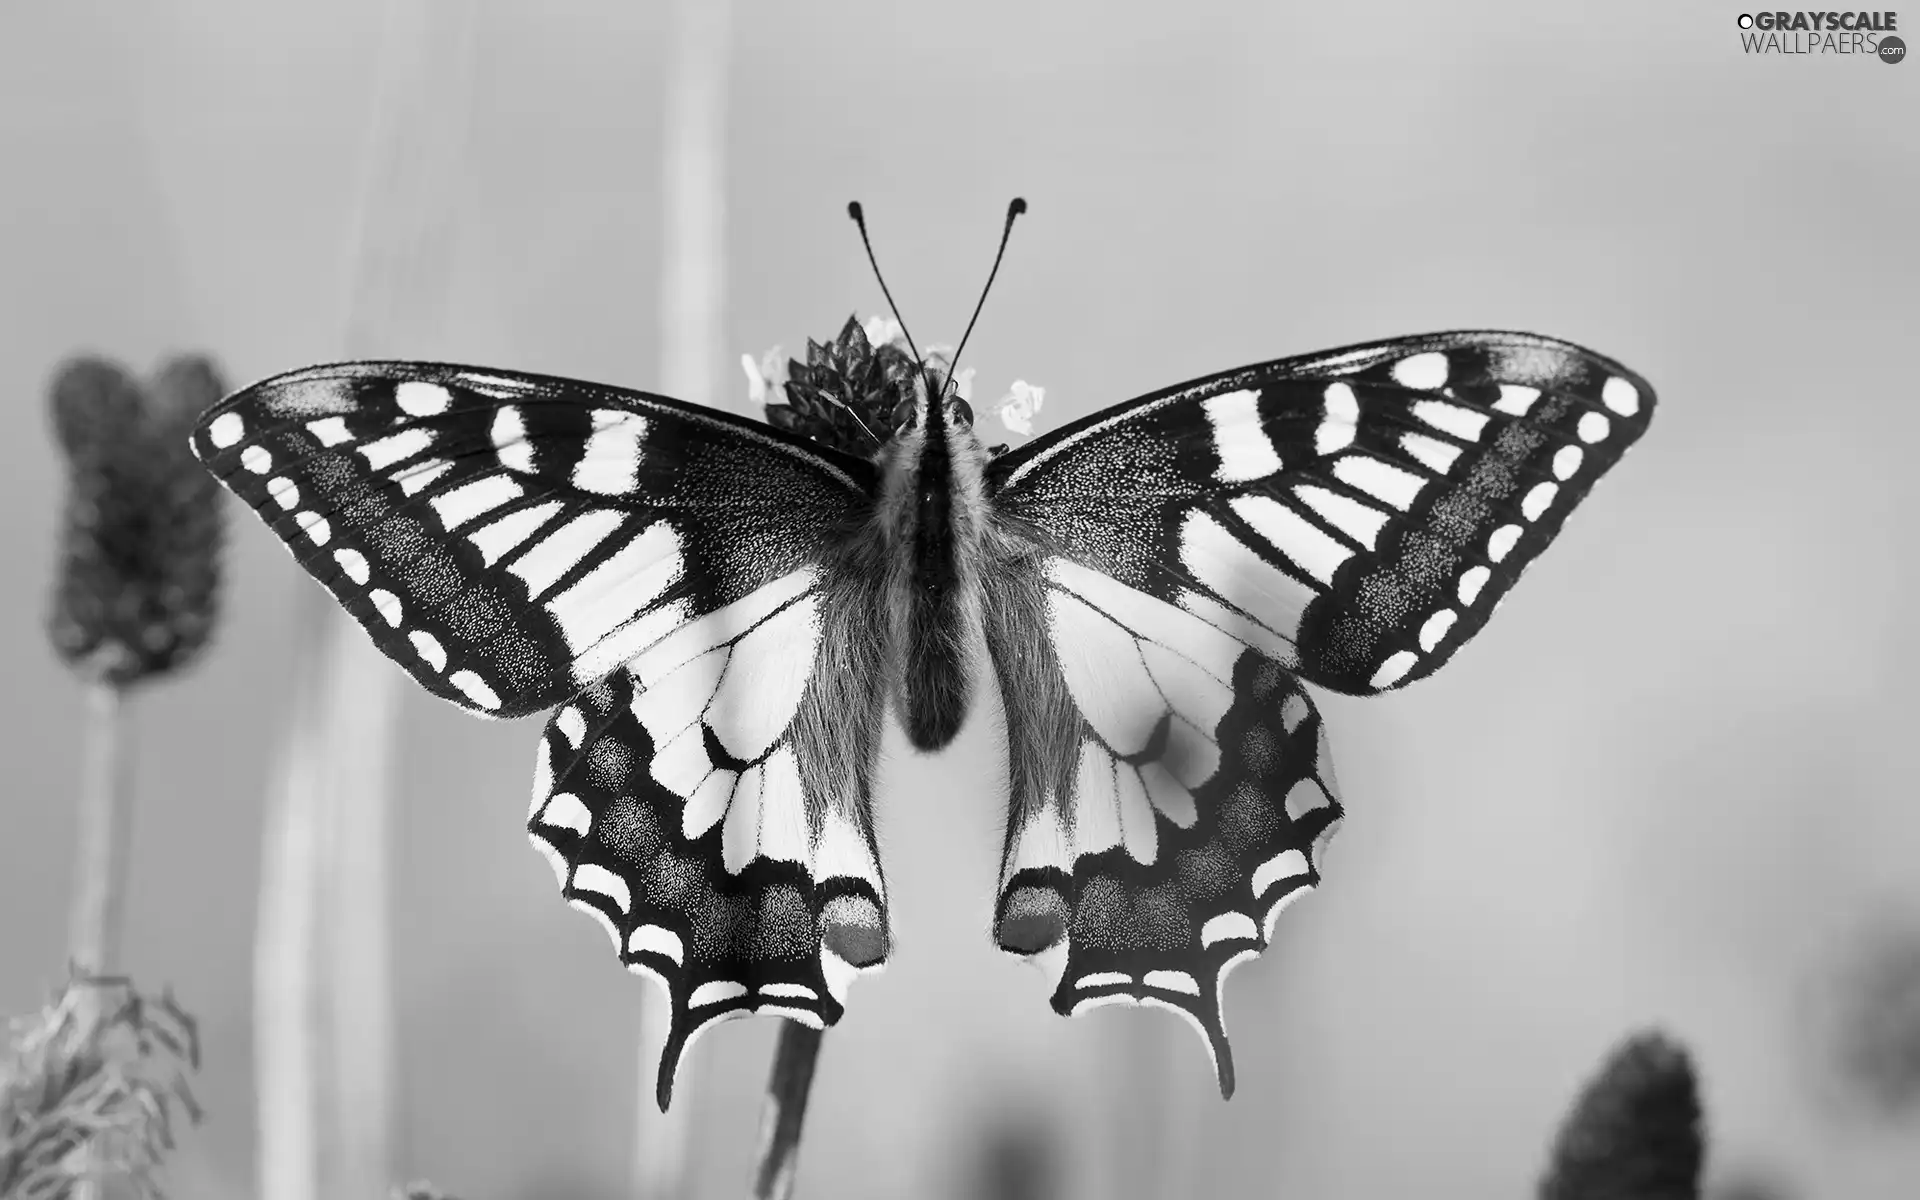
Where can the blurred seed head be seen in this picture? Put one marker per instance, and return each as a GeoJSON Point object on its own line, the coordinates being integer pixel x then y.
{"type": "Point", "coordinates": [1634, 1132]}
{"type": "Point", "coordinates": [89, 1087]}
{"type": "Point", "coordinates": [137, 591]}
{"type": "Point", "coordinates": [1867, 1020]}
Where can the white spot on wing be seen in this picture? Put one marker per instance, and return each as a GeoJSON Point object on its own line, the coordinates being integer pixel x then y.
{"type": "Point", "coordinates": [1383, 481]}
{"type": "Point", "coordinates": [741, 829]}
{"type": "Point", "coordinates": [415, 479]}
{"type": "Point", "coordinates": [1172, 981]}
{"type": "Point", "coordinates": [1462, 423]}
{"type": "Point", "coordinates": [1515, 399]}
{"type": "Point", "coordinates": [1620, 396]}
{"type": "Point", "coordinates": [559, 552]}
{"type": "Point", "coordinates": [653, 939]}
{"type": "Point", "coordinates": [765, 678]}
{"type": "Point", "coordinates": [566, 812]}
{"type": "Point", "coordinates": [1228, 925]}
{"type": "Point", "coordinates": [387, 605]}
{"type": "Point", "coordinates": [1431, 453]}
{"type": "Point", "coordinates": [1311, 548]}
{"type": "Point", "coordinates": [256, 459]}
{"type": "Point", "coordinates": [1244, 579]}
{"type": "Point", "coordinates": [510, 440]}
{"type": "Point", "coordinates": [475, 689]}
{"type": "Point", "coordinates": [622, 586]}
{"type": "Point", "coordinates": [1137, 826]}
{"type": "Point", "coordinates": [610, 462]}
{"type": "Point", "coordinates": [1500, 541]}
{"type": "Point", "coordinates": [591, 877]}
{"type": "Point", "coordinates": [1538, 499]}
{"type": "Point", "coordinates": [330, 431]}
{"type": "Point", "coordinates": [1394, 669]}
{"type": "Point", "coordinates": [1242, 446]}
{"type": "Point", "coordinates": [417, 398]}
{"type": "Point", "coordinates": [571, 725]}
{"type": "Point", "coordinates": [495, 540]}
{"type": "Point", "coordinates": [719, 991]}
{"type": "Point", "coordinates": [354, 564]}
{"type": "Point", "coordinates": [315, 526]}
{"type": "Point", "coordinates": [1103, 671]}
{"type": "Point", "coordinates": [1593, 427]}
{"type": "Point", "coordinates": [1096, 811]}
{"type": "Point", "coordinates": [1426, 371]}
{"type": "Point", "coordinates": [1337, 428]}
{"type": "Point", "coordinates": [226, 430]}
{"type": "Point", "coordinates": [285, 492]}
{"type": "Point", "coordinates": [429, 649]}
{"type": "Point", "coordinates": [385, 452]}
{"type": "Point", "coordinates": [1358, 521]}
{"type": "Point", "coordinates": [1566, 460]}
{"type": "Point", "coordinates": [1436, 628]}
{"type": "Point", "coordinates": [1471, 581]}
{"type": "Point", "coordinates": [1287, 864]}
{"type": "Point", "coordinates": [1149, 618]}
{"type": "Point", "coordinates": [456, 506]}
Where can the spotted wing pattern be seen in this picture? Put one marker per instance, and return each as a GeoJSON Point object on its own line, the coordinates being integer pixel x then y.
{"type": "Point", "coordinates": [519, 542]}
{"type": "Point", "coordinates": [1357, 514]}
{"type": "Point", "coordinates": [1350, 519]}
{"type": "Point", "coordinates": [510, 539]}
{"type": "Point", "coordinates": [710, 806]}
{"type": "Point", "coordinates": [1172, 792]}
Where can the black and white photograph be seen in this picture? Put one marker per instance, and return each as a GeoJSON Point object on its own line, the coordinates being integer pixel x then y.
{"type": "Point", "coordinates": [540, 531]}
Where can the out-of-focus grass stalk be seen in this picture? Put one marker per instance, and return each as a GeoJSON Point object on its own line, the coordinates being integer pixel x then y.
{"type": "Point", "coordinates": [692, 344]}
{"type": "Point", "coordinates": [106, 832]}
{"type": "Point", "coordinates": [786, 1113]}
{"type": "Point", "coordinates": [324, 1016]}
{"type": "Point", "coordinates": [1153, 1104]}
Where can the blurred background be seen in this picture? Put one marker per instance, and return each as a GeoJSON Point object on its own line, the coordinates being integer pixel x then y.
{"type": "Point", "coordinates": [1673, 784]}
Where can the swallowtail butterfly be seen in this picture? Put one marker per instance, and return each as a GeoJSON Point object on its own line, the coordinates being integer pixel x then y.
{"type": "Point", "coordinates": [722, 613]}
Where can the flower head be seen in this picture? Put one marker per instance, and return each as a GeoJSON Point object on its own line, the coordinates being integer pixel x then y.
{"type": "Point", "coordinates": [842, 396]}
{"type": "Point", "coordinates": [1020, 405]}
{"type": "Point", "coordinates": [142, 529]}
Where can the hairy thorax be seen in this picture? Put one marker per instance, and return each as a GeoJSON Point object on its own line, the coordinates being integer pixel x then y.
{"type": "Point", "coordinates": [933, 518]}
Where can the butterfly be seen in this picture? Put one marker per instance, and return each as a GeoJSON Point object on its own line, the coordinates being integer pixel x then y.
{"type": "Point", "coordinates": [722, 614]}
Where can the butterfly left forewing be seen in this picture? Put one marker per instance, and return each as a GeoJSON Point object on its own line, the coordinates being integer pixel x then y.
{"type": "Point", "coordinates": [510, 538]}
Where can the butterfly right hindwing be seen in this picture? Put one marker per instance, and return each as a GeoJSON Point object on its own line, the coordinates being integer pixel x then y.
{"type": "Point", "coordinates": [710, 805]}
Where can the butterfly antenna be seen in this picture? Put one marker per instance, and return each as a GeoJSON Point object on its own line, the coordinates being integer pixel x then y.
{"type": "Point", "coordinates": [859, 216]}
{"type": "Point", "coordinates": [1013, 210]}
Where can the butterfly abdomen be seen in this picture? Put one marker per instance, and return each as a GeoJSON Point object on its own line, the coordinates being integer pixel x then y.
{"type": "Point", "coordinates": [932, 513]}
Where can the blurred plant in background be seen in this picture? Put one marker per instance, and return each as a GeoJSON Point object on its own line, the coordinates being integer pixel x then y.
{"type": "Point", "coordinates": [88, 1090]}
{"type": "Point", "coordinates": [89, 1085]}
{"type": "Point", "coordinates": [1634, 1132]}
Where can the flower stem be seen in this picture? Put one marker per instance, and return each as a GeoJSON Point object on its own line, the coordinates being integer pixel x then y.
{"type": "Point", "coordinates": [106, 821]}
{"type": "Point", "coordinates": [787, 1090]}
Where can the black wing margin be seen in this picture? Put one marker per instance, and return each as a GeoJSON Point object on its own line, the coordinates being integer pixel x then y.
{"type": "Point", "coordinates": [1355, 514]}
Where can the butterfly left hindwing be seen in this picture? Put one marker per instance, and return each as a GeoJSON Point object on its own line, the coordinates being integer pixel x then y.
{"type": "Point", "coordinates": [1173, 568]}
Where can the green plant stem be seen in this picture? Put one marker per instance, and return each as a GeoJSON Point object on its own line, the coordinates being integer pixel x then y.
{"type": "Point", "coordinates": [787, 1089]}
{"type": "Point", "coordinates": [106, 831]}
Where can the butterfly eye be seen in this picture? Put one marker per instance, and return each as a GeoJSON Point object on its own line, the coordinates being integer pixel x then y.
{"type": "Point", "coordinates": [903, 415]}
{"type": "Point", "coordinates": [962, 411]}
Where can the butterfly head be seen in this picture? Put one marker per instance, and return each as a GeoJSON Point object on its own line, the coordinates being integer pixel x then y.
{"type": "Point", "coordinates": [915, 412]}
